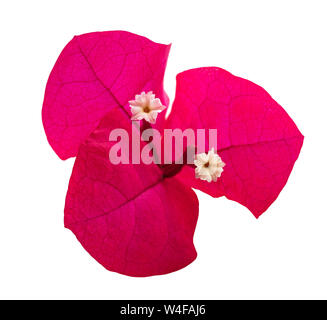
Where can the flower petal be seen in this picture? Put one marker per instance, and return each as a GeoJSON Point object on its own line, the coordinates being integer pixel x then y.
{"type": "Point", "coordinates": [136, 110]}
{"type": "Point", "coordinates": [202, 157]}
{"type": "Point", "coordinates": [152, 116]}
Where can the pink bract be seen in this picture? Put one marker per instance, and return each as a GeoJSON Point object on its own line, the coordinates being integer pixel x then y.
{"type": "Point", "coordinates": [130, 218]}
{"type": "Point", "coordinates": [257, 139]}
{"type": "Point", "coordinates": [95, 73]}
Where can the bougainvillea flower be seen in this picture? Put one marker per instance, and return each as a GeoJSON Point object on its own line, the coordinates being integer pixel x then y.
{"type": "Point", "coordinates": [146, 106]}
{"type": "Point", "coordinates": [130, 218]}
{"type": "Point", "coordinates": [139, 219]}
{"type": "Point", "coordinates": [95, 73]}
{"type": "Point", "coordinates": [257, 139]}
{"type": "Point", "coordinates": [209, 166]}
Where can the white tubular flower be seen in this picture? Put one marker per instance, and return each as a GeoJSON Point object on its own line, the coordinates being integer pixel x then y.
{"type": "Point", "coordinates": [146, 106]}
{"type": "Point", "coordinates": [208, 166]}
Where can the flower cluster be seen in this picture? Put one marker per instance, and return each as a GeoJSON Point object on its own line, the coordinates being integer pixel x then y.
{"type": "Point", "coordinates": [138, 219]}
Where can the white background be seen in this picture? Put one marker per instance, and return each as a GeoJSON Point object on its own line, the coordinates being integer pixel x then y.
{"type": "Point", "coordinates": [280, 45]}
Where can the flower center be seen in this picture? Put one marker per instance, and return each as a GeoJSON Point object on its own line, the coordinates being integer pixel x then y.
{"type": "Point", "coordinates": [206, 165]}
{"type": "Point", "coordinates": [146, 109]}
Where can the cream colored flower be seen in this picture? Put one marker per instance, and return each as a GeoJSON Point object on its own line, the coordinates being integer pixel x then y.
{"type": "Point", "coordinates": [208, 166]}
{"type": "Point", "coordinates": [146, 106]}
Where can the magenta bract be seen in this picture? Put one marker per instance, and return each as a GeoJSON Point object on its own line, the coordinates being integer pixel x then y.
{"type": "Point", "coordinates": [130, 218]}
{"type": "Point", "coordinates": [257, 139]}
{"type": "Point", "coordinates": [95, 73]}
